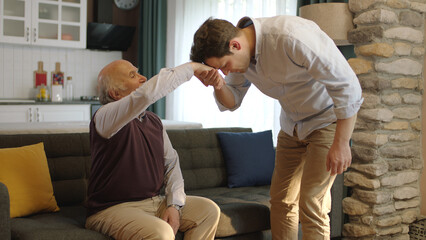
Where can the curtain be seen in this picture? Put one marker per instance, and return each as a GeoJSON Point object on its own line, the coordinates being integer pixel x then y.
{"type": "Point", "coordinates": [192, 101]}
{"type": "Point", "coordinates": [152, 44]}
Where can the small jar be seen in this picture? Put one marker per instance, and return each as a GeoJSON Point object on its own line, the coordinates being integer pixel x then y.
{"type": "Point", "coordinates": [42, 93]}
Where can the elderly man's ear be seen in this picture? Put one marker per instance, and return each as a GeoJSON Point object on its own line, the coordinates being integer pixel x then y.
{"type": "Point", "coordinates": [114, 94]}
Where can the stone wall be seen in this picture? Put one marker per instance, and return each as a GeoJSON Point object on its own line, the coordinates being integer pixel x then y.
{"type": "Point", "coordinates": [384, 176]}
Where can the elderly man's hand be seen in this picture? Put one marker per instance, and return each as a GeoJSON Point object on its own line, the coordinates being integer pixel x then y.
{"type": "Point", "coordinates": [208, 75]}
{"type": "Point", "coordinates": [172, 217]}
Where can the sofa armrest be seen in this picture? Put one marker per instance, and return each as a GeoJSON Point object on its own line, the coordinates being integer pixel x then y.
{"type": "Point", "coordinates": [4, 213]}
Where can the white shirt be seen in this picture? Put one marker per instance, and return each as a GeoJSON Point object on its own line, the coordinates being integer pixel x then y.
{"type": "Point", "coordinates": [296, 63]}
{"type": "Point", "coordinates": [110, 118]}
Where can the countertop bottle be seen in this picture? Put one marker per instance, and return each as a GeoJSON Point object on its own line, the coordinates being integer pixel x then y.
{"type": "Point", "coordinates": [69, 89]}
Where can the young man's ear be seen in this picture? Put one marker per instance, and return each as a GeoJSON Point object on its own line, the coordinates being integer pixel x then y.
{"type": "Point", "coordinates": [234, 44]}
{"type": "Point", "coordinates": [114, 94]}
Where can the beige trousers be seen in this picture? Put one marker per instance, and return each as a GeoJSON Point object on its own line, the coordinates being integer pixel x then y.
{"type": "Point", "coordinates": [141, 220]}
{"type": "Point", "coordinates": [301, 186]}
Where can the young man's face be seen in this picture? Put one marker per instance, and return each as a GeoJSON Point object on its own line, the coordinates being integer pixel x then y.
{"type": "Point", "coordinates": [239, 61]}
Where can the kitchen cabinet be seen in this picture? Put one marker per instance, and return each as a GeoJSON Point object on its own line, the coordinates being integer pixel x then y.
{"type": "Point", "coordinates": [60, 23]}
{"type": "Point", "coordinates": [44, 113]}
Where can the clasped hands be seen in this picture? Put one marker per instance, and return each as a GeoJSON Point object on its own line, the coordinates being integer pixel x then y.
{"type": "Point", "coordinates": [208, 76]}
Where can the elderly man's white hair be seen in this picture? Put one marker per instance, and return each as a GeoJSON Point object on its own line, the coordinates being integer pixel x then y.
{"type": "Point", "coordinates": [107, 83]}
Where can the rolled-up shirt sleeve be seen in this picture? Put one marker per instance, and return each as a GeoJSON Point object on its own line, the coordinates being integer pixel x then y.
{"type": "Point", "coordinates": [329, 68]}
{"type": "Point", "coordinates": [239, 86]}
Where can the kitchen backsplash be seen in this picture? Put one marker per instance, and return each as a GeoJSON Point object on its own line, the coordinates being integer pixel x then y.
{"type": "Point", "coordinates": [18, 63]}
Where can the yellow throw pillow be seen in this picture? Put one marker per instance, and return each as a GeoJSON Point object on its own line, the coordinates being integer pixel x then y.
{"type": "Point", "coordinates": [25, 172]}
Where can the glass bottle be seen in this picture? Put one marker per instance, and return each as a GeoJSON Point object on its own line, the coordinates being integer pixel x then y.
{"type": "Point", "coordinates": [69, 89]}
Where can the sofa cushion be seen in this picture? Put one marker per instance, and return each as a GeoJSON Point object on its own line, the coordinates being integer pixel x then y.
{"type": "Point", "coordinates": [66, 224]}
{"type": "Point", "coordinates": [25, 172]}
{"type": "Point", "coordinates": [200, 156]}
{"type": "Point", "coordinates": [249, 157]}
{"type": "Point", "coordinates": [69, 179]}
{"type": "Point", "coordinates": [243, 210]}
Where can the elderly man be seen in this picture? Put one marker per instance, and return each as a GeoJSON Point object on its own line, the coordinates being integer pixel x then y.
{"type": "Point", "coordinates": [133, 159]}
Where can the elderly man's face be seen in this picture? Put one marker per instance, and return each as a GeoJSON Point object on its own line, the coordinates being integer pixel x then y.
{"type": "Point", "coordinates": [126, 75]}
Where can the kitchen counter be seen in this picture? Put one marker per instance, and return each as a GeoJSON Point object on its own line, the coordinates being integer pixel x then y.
{"type": "Point", "coordinates": [31, 101]}
{"type": "Point", "coordinates": [70, 127]}
{"type": "Point", "coordinates": [44, 127]}
{"type": "Point", "coordinates": [32, 121]}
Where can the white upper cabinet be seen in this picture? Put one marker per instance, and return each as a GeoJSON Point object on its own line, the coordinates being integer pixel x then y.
{"type": "Point", "coordinates": [15, 22]}
{"type": "Point", "coordinates": [60, 23]}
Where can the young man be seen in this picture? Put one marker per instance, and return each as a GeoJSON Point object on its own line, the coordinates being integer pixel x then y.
{"type": "Point", "coordinates": [290, 59]}
{"type": "Point", "coordinates": [133, 159]}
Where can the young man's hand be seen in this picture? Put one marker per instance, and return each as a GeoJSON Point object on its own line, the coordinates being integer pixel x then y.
{"type": "Point", "coordinates": [208, 75]}
{"type": "Point", "coordinates": [339, 158]}
{"type": "Point", "coordinates": [172, 217]}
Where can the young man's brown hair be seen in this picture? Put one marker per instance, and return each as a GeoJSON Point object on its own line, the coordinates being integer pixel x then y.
{"type": "Point", "coordinates": [212, 40]}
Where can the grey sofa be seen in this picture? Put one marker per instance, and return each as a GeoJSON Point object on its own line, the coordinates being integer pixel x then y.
{"type": "Point", "coordinates": [244, 211]}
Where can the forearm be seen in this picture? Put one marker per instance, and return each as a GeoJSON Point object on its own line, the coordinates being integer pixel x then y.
{"type": "Point", "coordinates": [344, 129]}
{"type": "Point", "coordinates": [225, 97]}
{"type": "Point", "coordinates": [174, 186]}
{"type": "Point", "coordinates": [175, 193]}
{"type": "Point", "coordinates": [339, 157]}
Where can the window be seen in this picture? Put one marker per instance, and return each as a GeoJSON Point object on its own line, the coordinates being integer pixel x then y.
{"type": "Point", "coordinates": [192, 101]}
